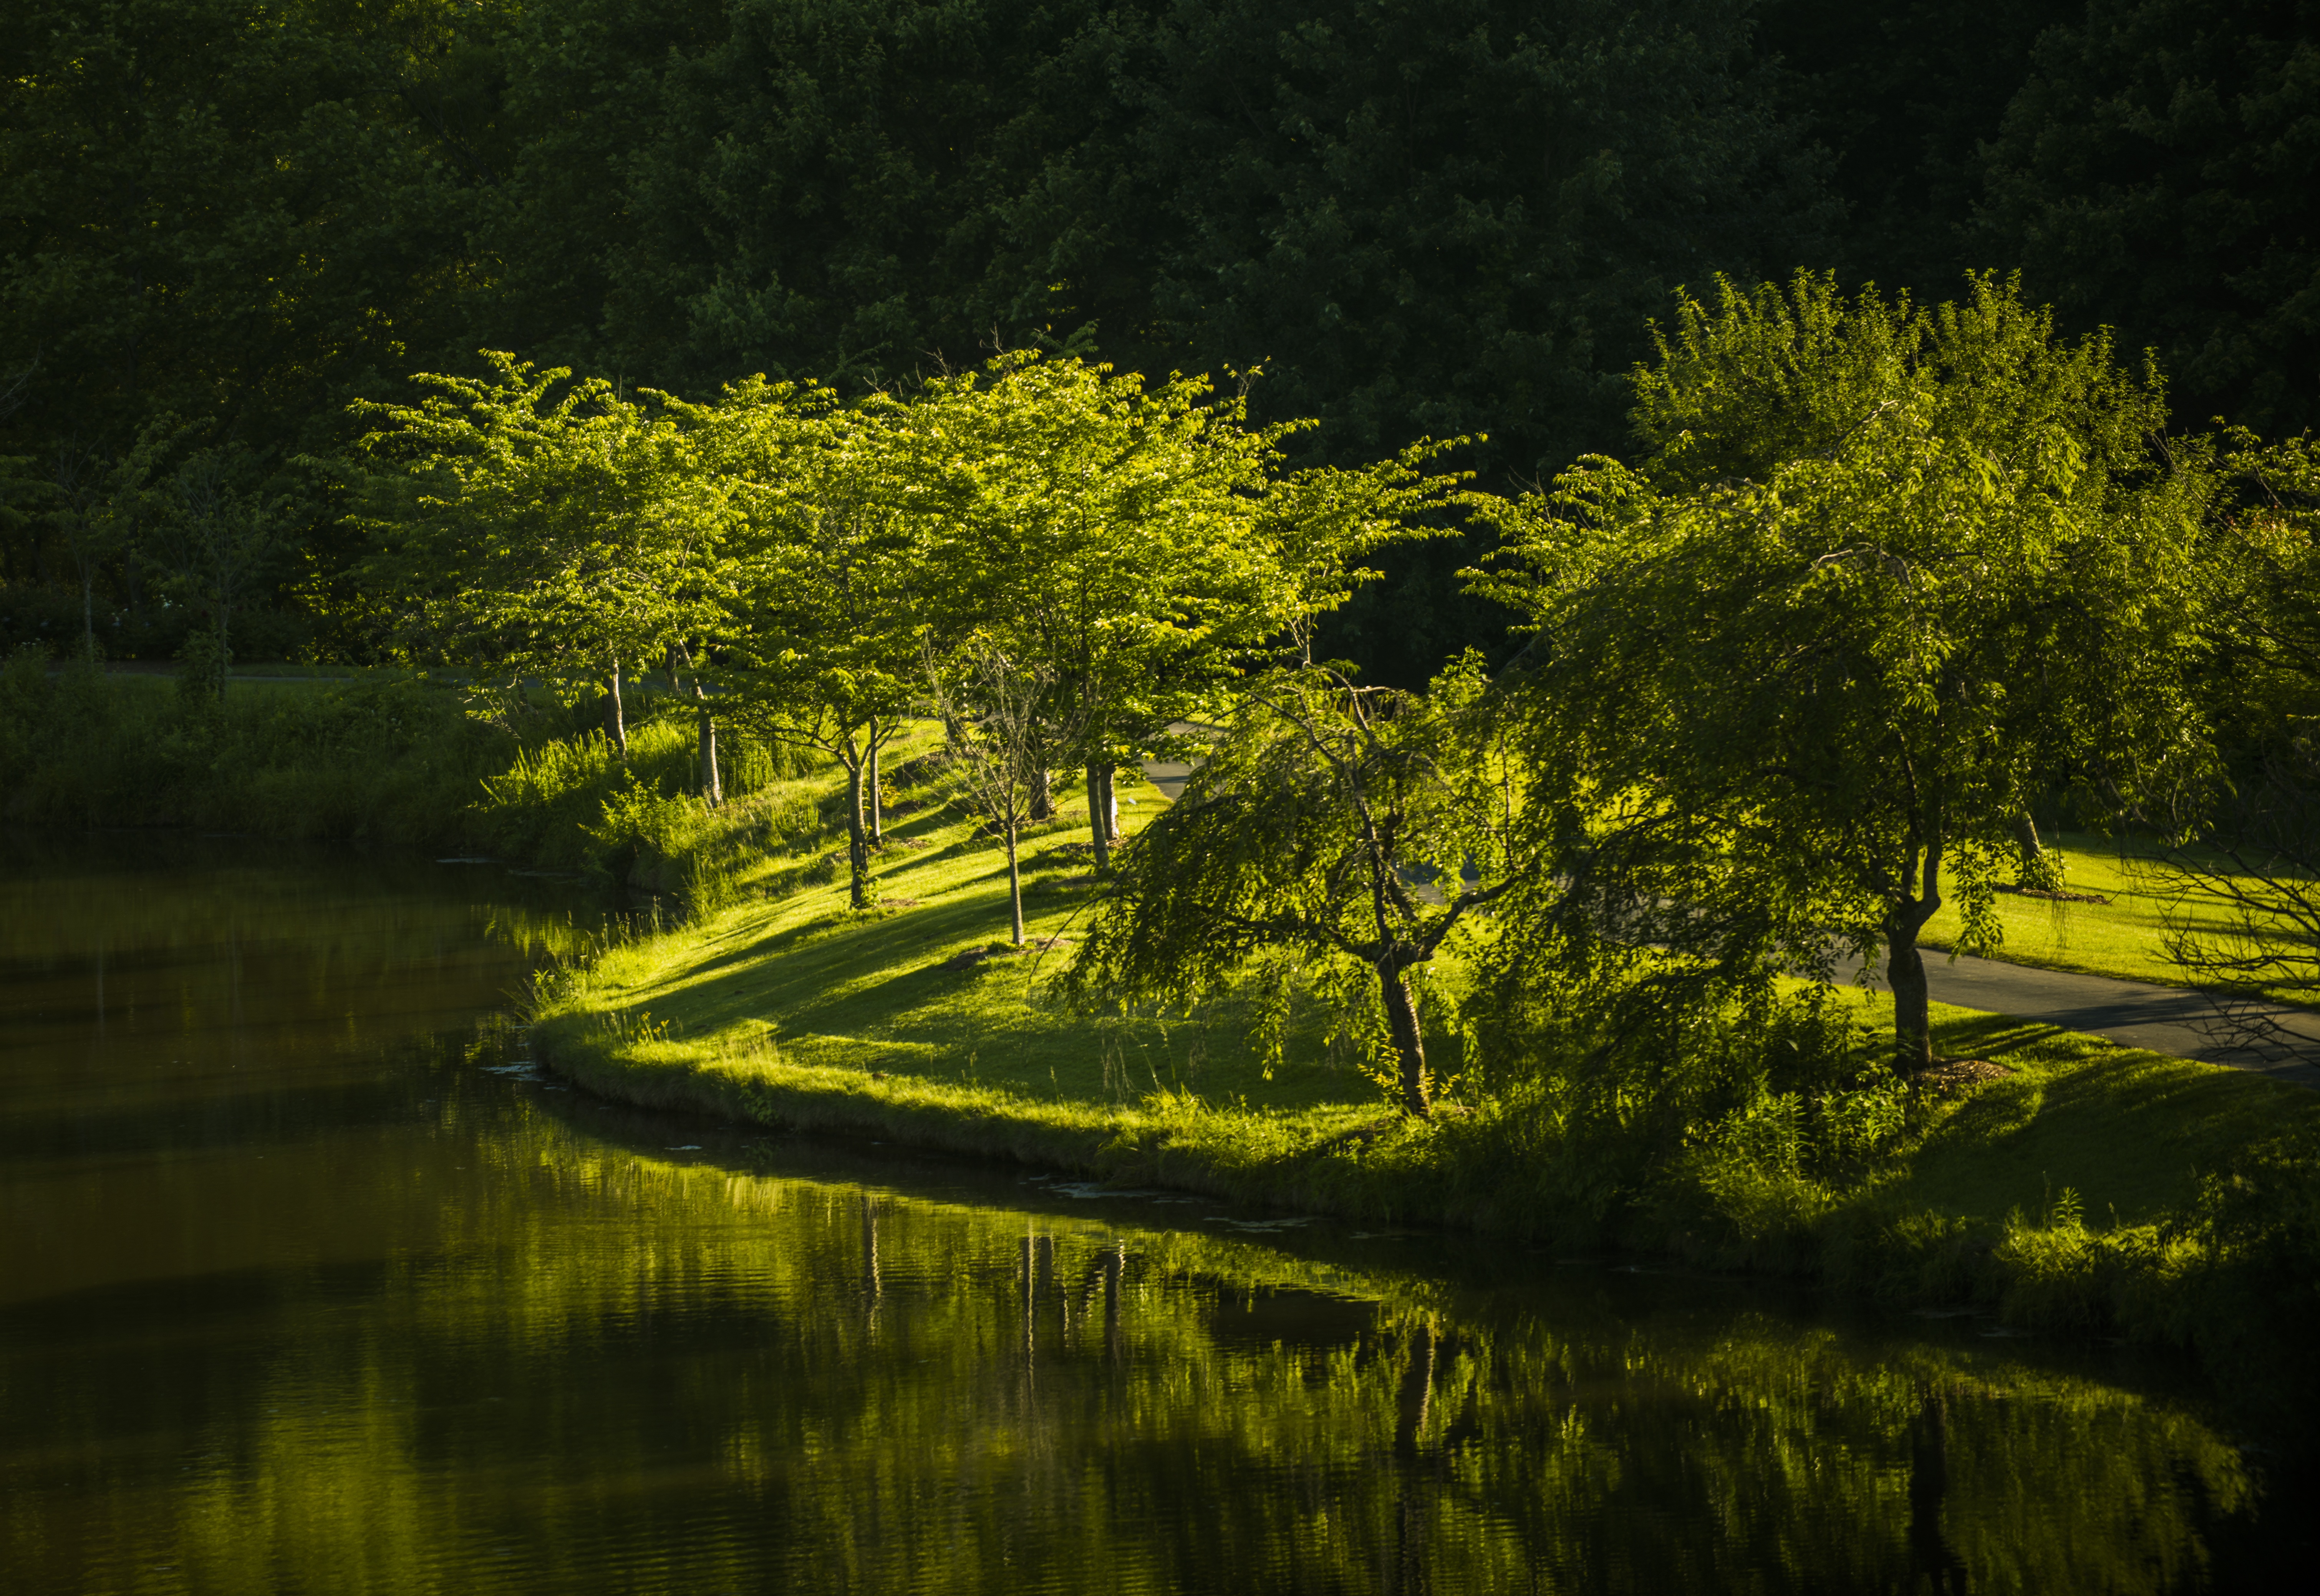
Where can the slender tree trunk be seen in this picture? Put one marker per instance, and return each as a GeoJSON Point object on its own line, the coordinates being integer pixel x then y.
{"type": "Point", "coordinates": [87, 616]}
{"type": "Point", "coordinates": [1095, 785]}
{"type": "Point", "coordinates": [1409, 1043]}
{"type": "Point", "coordinates": [877, 810]}
{"type": "Point", "coordinates": [1043, 795]}
{"type": "Point", "coordinates": [2040, 869]}
{"type": "Point", "coordinates": [858, 844]}
{"type": "Point", "coordinates": [1014, 881]}
{"type": "Point", "coordinates": [613, 711]}
{"type": "Point", "coordinates": [1111, 810]}
{"type": "Point", "coordinates": [713, 785]}
{"type": "Point", "coordinates": [225, 654]}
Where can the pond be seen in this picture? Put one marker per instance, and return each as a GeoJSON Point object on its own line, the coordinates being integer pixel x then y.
{"type": "Point", "coordinates": [310, 1282]}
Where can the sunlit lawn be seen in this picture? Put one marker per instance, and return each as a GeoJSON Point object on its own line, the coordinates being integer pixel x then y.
{"type": "Point", "coordinates": [2122, 937]}
{"type": "Point", "coordinates": [831, 988]}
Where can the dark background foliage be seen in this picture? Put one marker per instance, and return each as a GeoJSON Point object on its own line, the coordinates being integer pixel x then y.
{"type": "Point", "coordinates": [1448, 218]}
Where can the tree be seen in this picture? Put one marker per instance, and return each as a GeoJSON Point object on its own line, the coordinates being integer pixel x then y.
{"type": "Point", "coordinates": [1103, 532]}
{"type": "Point", "coordinates": [1343, 833]}
{"type": "Point", "coordinates": [2249, 854]}
{"type": "Point", "coordinates": [215, 537]}
{"type": "Point", "coordinates": [532, 523]}
{"type": "Point", "coordinates": [991, 704]}
{"type": "Point", "coordinates": [2159, 173]}
{"type": "Point", "coordinates": [1885, 573]}
{"type": "Point", "coordinates": [98, 501]}
{"type": "Point", "coordinates": [826, 635]}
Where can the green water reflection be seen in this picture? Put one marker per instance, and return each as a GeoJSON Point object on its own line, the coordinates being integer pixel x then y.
{"type": "Point", "coordinates": [308, 1283]}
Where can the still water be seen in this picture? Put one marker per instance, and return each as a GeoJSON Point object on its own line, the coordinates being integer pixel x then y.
{"type": "Point", "coordinates": [308, 1282]}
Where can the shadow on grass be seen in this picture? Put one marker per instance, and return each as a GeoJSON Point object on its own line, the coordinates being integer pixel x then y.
{"type": "Point", "coordinates": [2129, 1131]}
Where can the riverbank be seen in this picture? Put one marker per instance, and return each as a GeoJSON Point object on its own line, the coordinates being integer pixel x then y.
{"type": "Point", "coordinates": [2073, 1185]}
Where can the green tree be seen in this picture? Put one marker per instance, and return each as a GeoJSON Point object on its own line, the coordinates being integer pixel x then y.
{"type": "Point", "coordinates": [1107, 534]}
{"type": "Point", "coordinates": [96, 501]}
{"type": "Point", "coordinates": [215, 537]}
{"type": "Point", "coordinates": [2160, 172]}
{"type": "Point", "coordinates": [1336, 839]}
{"type": "Point", "coordinates": [825, 631]}
{"type": "Point", "coordinates": [1885, 574]}
{"type": "Point", "coordinates": [531, 523]}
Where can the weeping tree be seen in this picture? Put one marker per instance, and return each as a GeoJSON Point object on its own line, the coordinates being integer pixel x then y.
{"type": "Point", "coordinates": [1885, 573]}
{"type": "Point", "coordinates": [2243, 867]}
{"type": "Point", "coordinates": [1335, 841]}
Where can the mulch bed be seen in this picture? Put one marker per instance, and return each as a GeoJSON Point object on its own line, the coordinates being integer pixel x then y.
{"type": "Point", "coordinates": [976, 956]}
{"type": "Point", "coordinates": [2039, 892]}
{"type": "Point", "coordinates": [1950, 1077]}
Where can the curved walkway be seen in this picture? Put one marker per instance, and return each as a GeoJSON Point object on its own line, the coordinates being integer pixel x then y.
{"type": "Point", "coordinates": [2171, 1019]}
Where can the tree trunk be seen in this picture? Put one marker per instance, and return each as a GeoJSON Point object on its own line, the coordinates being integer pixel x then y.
{"type": "Point", "coordinates": [1111, 810]}
{"type": "Point", "coordinates": [619, 719]}
{"type": "Point", "coordinates": [1043, 795]}
{"type": "Point", "coordinates": [1904, 968]}
{"type": "Point", "coordinates": [877, 810]}
{"type": "Point", "coordinates": [1095, 786]}
{"type": "Point", "coordinates": [712, 786]}
{"type": "Point", "coordinates": [2040, 870]}
{"type": "Point", "coordinates": [225, 654]}
{"type": "Point", "coordinates": [1913, 1035]}
{"type": "Point", "coordinates": [1417, 1402]}
{"type": "Point", "coordinates": [1014, 881]}
{"type": "Point", "coordinates": [88, 616]}
{"type": "Point", "coordinates": [857, 844]}
{"type": "Point", "coordinates": [1409, 1043]}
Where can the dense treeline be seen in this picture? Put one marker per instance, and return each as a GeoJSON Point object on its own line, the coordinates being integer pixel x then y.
{"type": "Point", "coordinates": [227, 219]}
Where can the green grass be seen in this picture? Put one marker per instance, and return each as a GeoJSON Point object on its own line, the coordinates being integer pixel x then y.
{"type": "Point", "coordinates": [2123, 1129]}
{"type": "Point", "coordinates": [2122, 937]}
{"type": "Point", "coordinates": [2058, 1192]}
{"type": "Point", "coordinates": [789, 988]}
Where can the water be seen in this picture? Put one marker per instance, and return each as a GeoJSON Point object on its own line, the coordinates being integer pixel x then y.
{"type": "Point", "coordinates": [309, 1282]}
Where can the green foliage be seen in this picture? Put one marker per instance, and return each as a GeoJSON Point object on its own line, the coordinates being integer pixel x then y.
{"type": "Point", "coordinates": [1334, 841]}
{"type": "Point", "coordinates": [2157, 173]}
{"type": "Point", "coordinates": [388, 761]}
{"type": "Point", "coordinates": [1416, 221]}
{"type": "Point", "coordinates": [1886, 576]}
{"type": "Point", "coordinates": [525, 523]}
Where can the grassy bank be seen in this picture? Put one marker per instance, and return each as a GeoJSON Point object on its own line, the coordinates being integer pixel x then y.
{"type": "Point", "coordinates": [2087, 1187]}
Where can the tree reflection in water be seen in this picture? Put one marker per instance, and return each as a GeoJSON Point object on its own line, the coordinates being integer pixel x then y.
{"type": "Point", "coordinates": [306, 1298]}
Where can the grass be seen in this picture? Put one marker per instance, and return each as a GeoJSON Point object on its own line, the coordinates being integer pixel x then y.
{"type": "Point", "coordinates": [919, 1007]}
{"type": "Point", "coordinates": [2122, 937]}
{"type": "Point", "coordinates": [788, 1008]}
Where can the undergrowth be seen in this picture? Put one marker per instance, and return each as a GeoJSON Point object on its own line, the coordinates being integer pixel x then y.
{"type": "Point", "coordinates": [399, 759]}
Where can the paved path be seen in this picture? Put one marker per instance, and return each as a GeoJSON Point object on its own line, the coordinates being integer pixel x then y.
{"type": "Point", "coordinates": [2167, 1020]}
